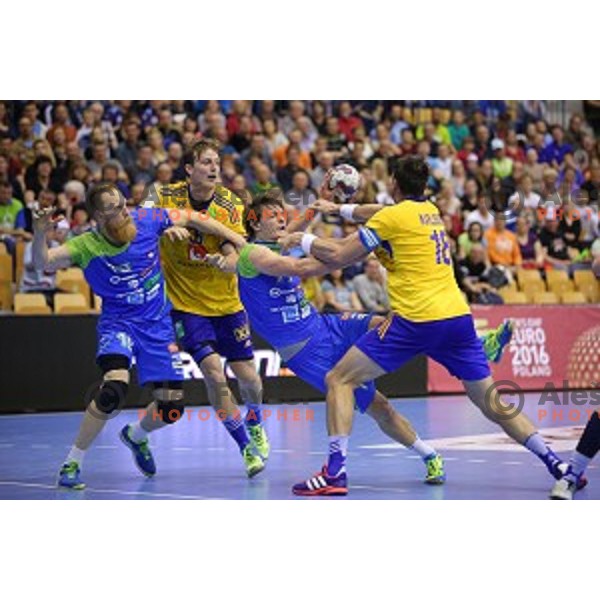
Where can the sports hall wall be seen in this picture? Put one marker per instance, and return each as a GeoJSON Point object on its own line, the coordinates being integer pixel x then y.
{"type": "Point", "coordinates": [48, 364]}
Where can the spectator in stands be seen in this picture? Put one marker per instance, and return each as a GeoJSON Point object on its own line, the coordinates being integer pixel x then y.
{"type": "Point", "coordinates": [336, 140]}
{"type": "Point", "coordinates": [347, 121]}
{"type": "Point", "coordinates": [111, 172]}
{"type": "Point", "coordinates": [458, 178]}
{"type": "Point", "coordinates": [127, 150]}
{"type": "Point", "coordinates": [274, 139]}
{"type": "Point", "coordinates": [300, 196]}
{"type": "Point", "coordinates": [482, 215]}
{"type": "Point", "coordinates": [61, 121]}
{"type": "Point", "coordinates": [143, 171]}
{"type": "Point", "coordinates": [466, 240]}
{"type": "Point", "coordinates": [458, 129]}
{"type": "Point", "coordinates": [502, 246]}
{"type": "Point", "coordinates": [591, 187]}
{"type": "Point", "coordinates": [501, 164]}
{"type": "Point", "coordinates": [554, 153]}
{"type": "Point", "coordinates": [164, 174]}
{"type": "Point", "coordinates": [317, 175]}
{"type": "Point", "coordinates": [470, 197]}
{"type": "Point", "coordinates": [525, 197]}
{"type": "Point", "coordinates": [339, 293]}
{"type": "Point", "coordinates": [286, 174]}
{"type": "Point", "coordinates": [264, 180]}
{"type": "Point", "coordinates": [556, 253]}
{"type": "Point", "coordinates": [514, 150]}
{"type": "Point", "coordinates": [22, 147]}
{"type": "Point", "coordinates": [12, 218]}
{"type": "Point", "coordinates": [370, 288]}
{"type": "Point", "coordinates": [80, 220]}
{"type": "Point", "coordinates": [156, 142]}
{"type": "Point", "coordinates": [532, 253]}
{"type": "Point", "coordinates": [5, 175]}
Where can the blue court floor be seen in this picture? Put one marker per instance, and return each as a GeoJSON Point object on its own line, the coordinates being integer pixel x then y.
{"type": "Point", "coordinates": [197, 460]}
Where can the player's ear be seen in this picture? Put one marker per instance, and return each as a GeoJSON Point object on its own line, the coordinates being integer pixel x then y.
{"type": "Point", "coordinates": [188, 169]}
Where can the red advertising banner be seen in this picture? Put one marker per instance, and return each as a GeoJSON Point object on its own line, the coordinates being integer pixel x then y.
{"type": "Point", "coordinates": [555, 344]}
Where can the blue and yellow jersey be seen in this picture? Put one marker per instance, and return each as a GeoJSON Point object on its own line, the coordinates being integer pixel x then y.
{"type": "Point", "coordinates": [411, 243]}
{"type": "Point", "coordinates": [194, 286]}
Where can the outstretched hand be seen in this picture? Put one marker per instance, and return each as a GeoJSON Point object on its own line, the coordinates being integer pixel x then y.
{"type": "Point", "coordinates": [326, 207]}
{"type": "Point", "coordinates": [42, 219]}
{"type": "Point", "coordinates": [177, 233]}
{"type": "Point", "coordinates": [290, 240]}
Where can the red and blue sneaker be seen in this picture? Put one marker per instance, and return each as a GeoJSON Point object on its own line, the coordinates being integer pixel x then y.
{"type": "Point", "coordinates": [558, 468]}
{"type": "Point", "coordinates": [323, 484]}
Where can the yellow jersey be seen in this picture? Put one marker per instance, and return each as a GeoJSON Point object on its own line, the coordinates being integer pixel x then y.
{"type": "Point", "coordinates": [410, 241]}
{"type": "Point", "coordinates": [194, 286]}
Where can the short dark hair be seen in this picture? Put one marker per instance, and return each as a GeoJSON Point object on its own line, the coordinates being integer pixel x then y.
{"type": "Point", "coordinates": [254, 212]}
{"type": "Point", "coordinates": [95, 193]}
{"type": "Point", "coordinates": [192, 155]}
{"type": "Point", "coordinates": [411, 174]}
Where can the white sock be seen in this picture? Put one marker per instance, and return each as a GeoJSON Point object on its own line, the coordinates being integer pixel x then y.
{"type": "Point", "coordinates": [137, 433]}
{"type": "Point", "coordinates": [536, 444]}
{"type": "Point", "coordinates": [421, 448]}
{"type": "Point", "coordinates": [579, 462]}
{"type": "Point", "coordinates": [75, 454]}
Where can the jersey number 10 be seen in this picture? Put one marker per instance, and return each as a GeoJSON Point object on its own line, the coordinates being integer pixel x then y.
{"type": "Point", "coordinates": [442, 247]}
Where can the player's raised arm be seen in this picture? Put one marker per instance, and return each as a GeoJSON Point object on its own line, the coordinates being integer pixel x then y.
{"type": "Point", "coordinates": [336, 254]}
{"type": "Point", "coordinates": [206, 224]}
{"type": "Point", "coordinates": [353, 213]}
{"type": "Point", "coordinates": [42, 258]}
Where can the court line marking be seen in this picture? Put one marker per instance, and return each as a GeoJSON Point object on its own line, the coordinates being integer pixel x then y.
{"type": "Point", "coordinates": [107, 491]}
{"type": "Point", "coordinates": [40, 446]}
{"type": "Point", "coordinates": [377, 489]}
{"type": "Point", "coordinates": [476, 460]}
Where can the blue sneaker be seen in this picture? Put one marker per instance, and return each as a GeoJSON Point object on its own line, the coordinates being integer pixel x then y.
{"type": "Point", "coordinates": [494, 342]}
{"type": "Point", "coordinates": [70, 476]}
{"type": "Point", "coordinates": [141, 453]}
{"type": "Point", "coordinates": [323, 484]}
{"type": "Point", "coordinates": [435, 469]}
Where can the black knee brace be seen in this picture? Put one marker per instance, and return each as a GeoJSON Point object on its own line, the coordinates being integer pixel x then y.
{"type": "Point", "coordinates": [111, 396]}
{"type": "Point", "coordinates": [170, 412]}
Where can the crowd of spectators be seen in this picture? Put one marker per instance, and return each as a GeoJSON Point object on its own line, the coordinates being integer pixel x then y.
{"type": "Point", "coordinates": [517, 183]}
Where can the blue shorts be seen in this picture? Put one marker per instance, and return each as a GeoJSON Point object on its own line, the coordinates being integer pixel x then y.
{"type": "Point", "coordinates": [335, 336]}
{"type": "Point", "coordinates": [200, 336]}
{"type": "Point", "coordinates": [152, 343]}
{"type": "Point", "coordinates": [451, 342]}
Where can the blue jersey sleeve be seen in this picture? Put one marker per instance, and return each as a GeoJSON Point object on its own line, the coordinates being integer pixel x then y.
{"type": "Point", "coordinates": [369, 238]}
{"type": "Point", "coordinates": [157, 217]}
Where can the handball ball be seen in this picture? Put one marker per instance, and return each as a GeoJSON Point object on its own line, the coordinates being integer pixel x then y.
{"type": "Point", "coordinates": [583, 370]}
{"type": "Point", "coordinates": [343, 181]}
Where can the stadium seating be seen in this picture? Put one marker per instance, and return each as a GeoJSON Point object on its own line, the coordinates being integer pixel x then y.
{"type": "Point", "coordinates": [73, 281]}
{"type": "Point", "coordinates": [31, 304]}
{"type": "Point", "coordinates": [6, 268]}
{"type": "Point", "coordinates": [533, 287]}
{"type": "Point", "coordinates": [545, 298]}
{"type": "Point", "coordinates": [70, 304]}
{"type": "Point", "coordinates": [511, 297]}
{"type": "Point", "coordinates": [573, 298]}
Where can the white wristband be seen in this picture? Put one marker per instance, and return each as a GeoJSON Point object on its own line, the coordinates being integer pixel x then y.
{"type": "Point", "coordinates": [307, 242]}
{"type": "Point", "coordinates": [346, 212]}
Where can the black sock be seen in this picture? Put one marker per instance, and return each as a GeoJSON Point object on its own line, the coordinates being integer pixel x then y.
{"type": "Point", "coordinates": [589, 444]}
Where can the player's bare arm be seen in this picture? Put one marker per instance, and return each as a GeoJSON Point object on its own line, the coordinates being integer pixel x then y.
{"type": "Point", "coordinates": [43, 258]}
{"type": "Point", "coordinates": [334, 253]}
{"type": "Point", "coordinates": [271, 263]}
{"type": "Point", "coordinates": [206, 224]}
{"type": "Point", "coordinates": [356, 213]}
